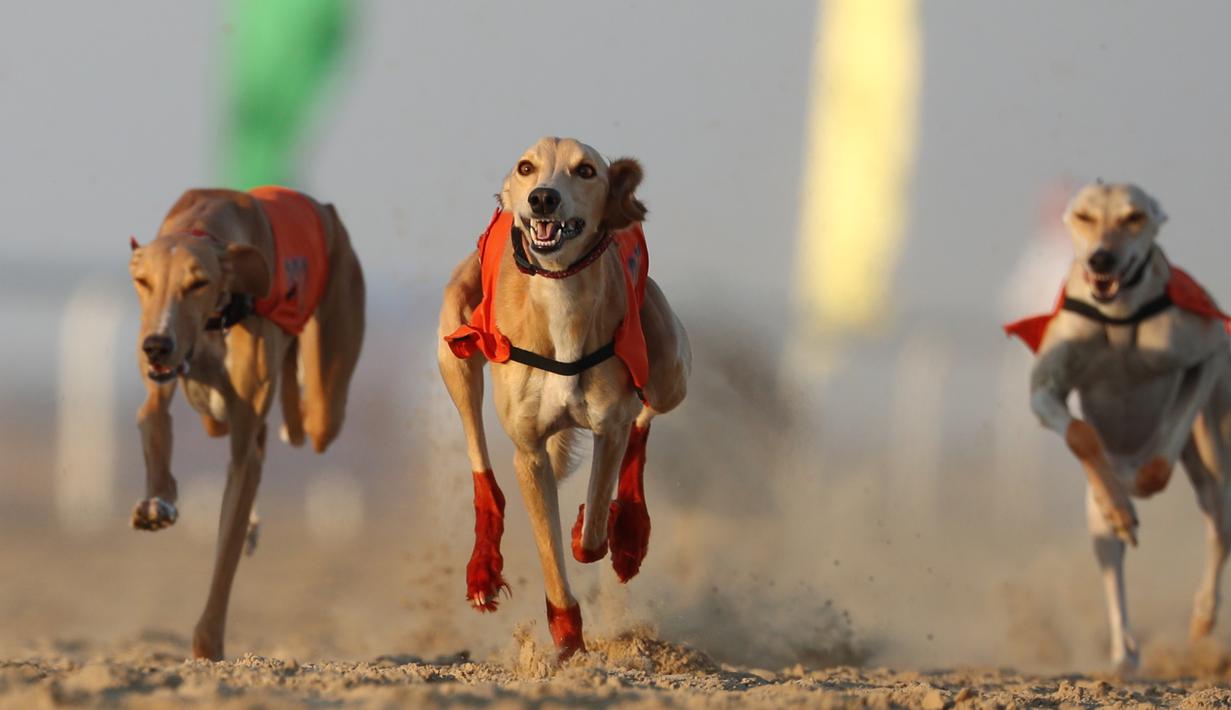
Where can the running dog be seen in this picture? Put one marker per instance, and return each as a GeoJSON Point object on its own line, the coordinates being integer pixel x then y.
{"type": "Point", "coordinates": [237, 290]}
{"type": "Point", "coordinates": [585, 340]}
{"type": "Point", "coordinates": [1145, 348]}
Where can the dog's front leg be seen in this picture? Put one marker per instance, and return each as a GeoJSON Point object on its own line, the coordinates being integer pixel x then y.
{"type": "Point", "coordinates": [158, 510]}
{"type": "Point", "coordinates": [1050, 384]}
{"type": "Point", "coordinates": [246, 412]}
{"type": "Point", "coordinates": [1176, 424]}
{"type": "Point", "coordinates": [538, 489]}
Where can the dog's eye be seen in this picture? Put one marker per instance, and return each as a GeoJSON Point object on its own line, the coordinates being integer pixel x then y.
{"type": "Point", "coordinates": [525, 167]}
{"type": "Point", "coordinates": [1084, 217]}
{"type": "Point", "coordinates": [585, 171]}
{"type": "Point", "coordinates": [1135, 218]}
{"type": "Point", "coordinates": [196, 285]}
{"type": "Point", "coordinates": [142, 284]}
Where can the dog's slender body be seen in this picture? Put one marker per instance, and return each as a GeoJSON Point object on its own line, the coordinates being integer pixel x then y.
{"type": "Point", "coordinates": [564, 197]}
{"type": "Point", "coordinates": [1154, 390]}
{"type": "Point", "coordinates": [214, 245]}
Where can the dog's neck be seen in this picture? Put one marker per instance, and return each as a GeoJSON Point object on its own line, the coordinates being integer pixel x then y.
{"type": "Point", "coordinates": [578, 314]}
{"type": "Point", "coordinates": [1151, 285]}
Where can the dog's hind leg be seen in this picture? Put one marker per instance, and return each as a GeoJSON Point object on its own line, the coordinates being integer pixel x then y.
{"type": "Point", "coordinates": [158, 510]}
{"type": "Point", "coordinates": [330, 343]}
{"type": "Point", "coordinates": [590, 532]}
{"type": "Point", "coordinates": [1206, 459]}
{"type": "Point", "coordinates": [463, 379]}
{"type": "Point", "coordinates": [538, 489]}
{"type": "Point", "coordinates": [1109, 550]}
{"type": "Point", "coordinates": [630, 519]}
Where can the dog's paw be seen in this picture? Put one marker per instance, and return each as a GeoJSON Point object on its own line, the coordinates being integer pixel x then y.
{"type": "Point", "coordinates": [565, 628]}
{"type": "Point", "coordinates": [1118, 511]}
{"type": "Point", "coordinates": [629, 532]}
{"type": "Point", "coordinates": [154, 514]}
{"type": "Point", "coordinates": [580, 553]}
{"type": "Point", "coordinates": [1153, 477]}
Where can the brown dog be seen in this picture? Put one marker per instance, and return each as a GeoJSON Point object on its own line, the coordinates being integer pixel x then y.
{"type": "Point", "coordinates": [585, 340]}
{"type": "Point", "coordinates": [210, 320]}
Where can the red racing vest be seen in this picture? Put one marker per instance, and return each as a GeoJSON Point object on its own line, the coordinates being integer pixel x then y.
{"type": "Point", "coordinates": [1183, 290]}
{"type": "Point", "coordinates": [482, 335]}
{"type": "Point", "coordinates": [300, 270]}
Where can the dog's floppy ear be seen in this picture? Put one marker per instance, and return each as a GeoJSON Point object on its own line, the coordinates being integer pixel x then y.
{"type": "Point", "coordinates": [1156, 211]}
{"type": "Point", "coordinates": [246, 270]}
{"type": "Point", "coordinates": [623, 207]}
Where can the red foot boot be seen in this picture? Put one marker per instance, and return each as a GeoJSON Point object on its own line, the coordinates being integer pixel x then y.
{"type": "Point", "coordinates": [565, 625]}
{"type": "Point", "coordinates": [580, 553]}
{"type": "Point", "coordinates": [629, 529]}
{"type": "Point", "coordinates": [484, 578]}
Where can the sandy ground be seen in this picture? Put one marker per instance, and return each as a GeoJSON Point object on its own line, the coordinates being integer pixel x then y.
{"type": "Point", "coordinates": [631, 670]}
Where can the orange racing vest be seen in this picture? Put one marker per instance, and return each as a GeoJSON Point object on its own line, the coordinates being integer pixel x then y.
{"type": "Point", "coordinates": [482, 335]}
{"type": "Point", "coordinates": [300, 270]}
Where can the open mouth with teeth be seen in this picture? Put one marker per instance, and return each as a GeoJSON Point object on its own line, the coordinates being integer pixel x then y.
{"type": "Point", "coordinates": [165, 373]}
{"type": "Point", "coordinates": [1105, 287]}
{"type": "Point", "coordinates": [547, 235]}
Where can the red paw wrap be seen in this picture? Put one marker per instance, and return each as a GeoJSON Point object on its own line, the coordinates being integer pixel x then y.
{"type": "Point", "coordinates": [484, 578]}
{"type": "Point", "coordinates": [565, 626]}
{"type": "Point", "coordinates": [629, 528]}
{"type": "Point", "coordinates": [580, 553]}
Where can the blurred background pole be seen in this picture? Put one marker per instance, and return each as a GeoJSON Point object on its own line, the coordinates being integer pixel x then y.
{"type": "Point", "coordinates": [279, 59]}
{"type": "Point", "coordinates": [859, 156]}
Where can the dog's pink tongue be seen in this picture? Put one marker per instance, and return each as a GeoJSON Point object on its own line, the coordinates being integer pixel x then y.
{"type": "Point", "coordinates": [545, 231]}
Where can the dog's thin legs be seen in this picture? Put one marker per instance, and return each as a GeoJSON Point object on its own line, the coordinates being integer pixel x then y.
{"type": "Point", "coordinates": [1205, 459]}
{"type": "Point", "coordinates": [538, 489]}
{"type": "Point", "coordinates": [590, 539]}
{"type": "Point", "coordinates": [1109, 551]}
{"type": "Point", "coordinates": [330, 344]}
{"type": "Point", "coordinates": [254, 387]}
{"type": "Point", "coordinates": [1177, 423]}
{"type": "Point", "coordinates": [158, 510]}
{"type": "Point", "coordinates": [1107, 491]}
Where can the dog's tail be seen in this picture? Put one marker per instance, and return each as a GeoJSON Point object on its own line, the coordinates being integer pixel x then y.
{"type": "Point", "coordinates": [564, 452]}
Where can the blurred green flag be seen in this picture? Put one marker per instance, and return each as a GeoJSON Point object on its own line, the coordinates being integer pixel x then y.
{"type": "Point", "coordinates": [280, 55]}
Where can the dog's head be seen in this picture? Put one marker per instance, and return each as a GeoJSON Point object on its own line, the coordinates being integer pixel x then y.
{"type": "Point", "coordinates": [182, 281]}
{"type": "Point", "coordinates": [1113, 229]}
{"type": "Point", "coordinates": [563, 195]}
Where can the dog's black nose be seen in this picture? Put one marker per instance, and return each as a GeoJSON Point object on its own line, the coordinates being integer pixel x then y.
{"type": "Point", "coordinates": [157, 347]}
{"type": "Point", "coordinates": [1102, 261]}
{"type": "Point", "coordinates": [544, 200]}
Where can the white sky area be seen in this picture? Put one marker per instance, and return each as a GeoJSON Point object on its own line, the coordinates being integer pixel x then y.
{"type": "Point", "coordinates": [109, 110]}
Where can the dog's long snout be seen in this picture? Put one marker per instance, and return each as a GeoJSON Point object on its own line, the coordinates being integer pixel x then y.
{"type": "Point", "coordinates": [544, 201]}
{"type": "Point", "coordinates": [1102, 261]}
{"type": "Point", "coordinates": [157, 347]}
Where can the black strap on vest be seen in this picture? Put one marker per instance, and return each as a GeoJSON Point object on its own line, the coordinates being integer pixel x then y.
{"type": "Point", "coordinates": [1148, 310]}
{"type": "Point", "coordinates": [237, 309]}
{"type": "Point", "coordinates": [568, 369]}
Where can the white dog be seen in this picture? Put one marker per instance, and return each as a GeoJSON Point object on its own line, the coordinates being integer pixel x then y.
{"type": "Point", "coordinates": [1146, 350]}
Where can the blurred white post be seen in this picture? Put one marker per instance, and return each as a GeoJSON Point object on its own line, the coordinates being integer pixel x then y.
{"type": "Point", "coordinates": [85, 417]}
{"type": "Point", "coordinates": [916, 420]}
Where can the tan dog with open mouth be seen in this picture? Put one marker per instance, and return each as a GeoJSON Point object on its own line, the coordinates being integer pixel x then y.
{"type": "Point", "coordinates": [238, 290]}
{"type": "Point", "coordinates": [1146, 350]}
{"type": "Point", "coordinates": [562, 269]}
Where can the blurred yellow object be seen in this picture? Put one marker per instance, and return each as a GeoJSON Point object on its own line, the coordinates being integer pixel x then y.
{"type": "Point", "coordinates": [859, 155]}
